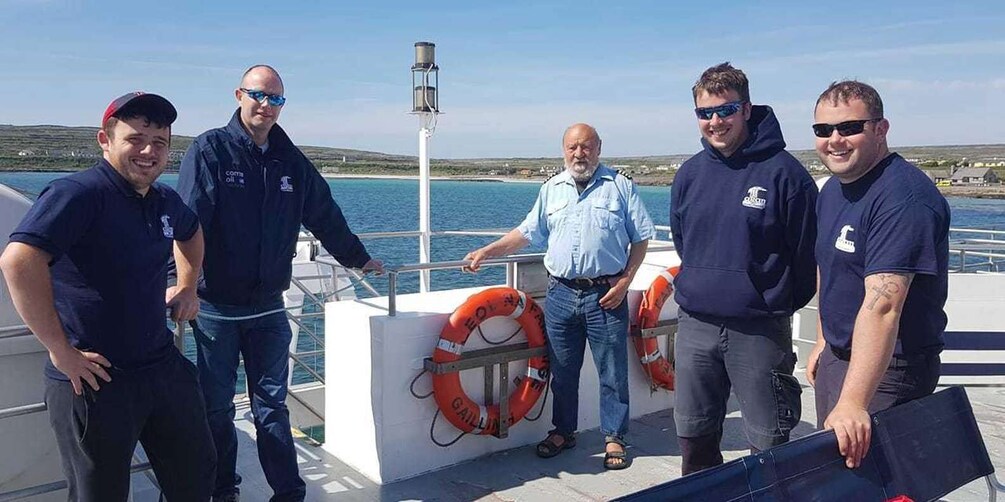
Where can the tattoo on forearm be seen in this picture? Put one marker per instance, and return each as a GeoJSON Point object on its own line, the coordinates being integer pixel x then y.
{"type": "Point", "coordinates": [891, 284]}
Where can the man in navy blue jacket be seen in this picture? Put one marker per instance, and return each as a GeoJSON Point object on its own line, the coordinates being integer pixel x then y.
{"type": "Point", "coordinates": [884, 271]}
{"type": "Point", "coordinates": [742, 220]}
{"type": "Point", "coordinates": [252, 189]}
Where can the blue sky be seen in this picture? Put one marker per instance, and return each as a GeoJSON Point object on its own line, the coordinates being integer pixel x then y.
{"type": "Point", "coordinates": [513, 74]}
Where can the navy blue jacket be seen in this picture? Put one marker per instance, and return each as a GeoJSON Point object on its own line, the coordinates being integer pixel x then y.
{"type": "Point", "coordinates": [110, 250]}
{"type": "Point", "coordinates": [745, 227]}
{"type": "Point", "coordinates": [251, 206]}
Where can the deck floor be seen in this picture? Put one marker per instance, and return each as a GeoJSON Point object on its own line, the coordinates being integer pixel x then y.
{"type": "Point", "coordinates": [574, 475]}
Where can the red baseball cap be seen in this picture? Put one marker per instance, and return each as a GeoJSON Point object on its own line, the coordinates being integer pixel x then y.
{"type": "Point", "coordinates": [143, 104]}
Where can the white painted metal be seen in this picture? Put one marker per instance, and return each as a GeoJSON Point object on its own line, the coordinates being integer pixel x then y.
{"type": "Point", "coordinates": [373, 423]}
{"type": "Point", "coordinates": [976, 304]}
{"type": "Point", "coordinates": [424, 228]}
{"type": "Point", "coordinates": [22, 358]}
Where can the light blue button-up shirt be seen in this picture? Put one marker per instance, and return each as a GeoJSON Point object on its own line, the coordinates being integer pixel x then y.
{"type": "Point", "coordinates": [587, 234]}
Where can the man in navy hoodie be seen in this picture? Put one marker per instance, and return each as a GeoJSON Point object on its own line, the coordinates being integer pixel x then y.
{"type": "Point", "coordinates": [742, 220]}
{"type": "Point", "coordinates": [884, 271]}
{"type": "Point", "coordinates": [252, 189]}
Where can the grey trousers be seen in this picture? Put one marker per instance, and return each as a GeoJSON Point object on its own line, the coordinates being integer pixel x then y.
{"type": "Point", "coordinates": [752, 358]}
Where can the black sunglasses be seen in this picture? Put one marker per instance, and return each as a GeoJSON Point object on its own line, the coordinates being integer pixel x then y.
{"type": "Point", "coordinates": [846, 128]}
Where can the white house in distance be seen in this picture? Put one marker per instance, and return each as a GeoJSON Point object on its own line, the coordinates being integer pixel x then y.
{"type": "Point", "coordinates": [980, 176]}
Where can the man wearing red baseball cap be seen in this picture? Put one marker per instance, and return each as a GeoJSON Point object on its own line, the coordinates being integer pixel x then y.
{"type": "Point", "coordinates": [87, 270]}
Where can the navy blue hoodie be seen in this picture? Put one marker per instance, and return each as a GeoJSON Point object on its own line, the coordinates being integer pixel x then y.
{"type": "Point", "coordinates": [745, 227]}
{"type": "Point", "coordinates": [251, 206]}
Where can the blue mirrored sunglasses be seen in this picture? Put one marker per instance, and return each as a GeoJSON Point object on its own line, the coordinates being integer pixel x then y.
{"type": "Point", "coordinates": [723, 110]}
{"type": "Point", "coordinates": [261, 96]}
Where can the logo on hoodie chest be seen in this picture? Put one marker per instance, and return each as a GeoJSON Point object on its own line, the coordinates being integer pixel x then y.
{"type": "Point", "coordinates": [754, 199]}
{"type": "Point", "coordinates": [843, 243]}
{"type": "Point", "coordinates": [285, 185]}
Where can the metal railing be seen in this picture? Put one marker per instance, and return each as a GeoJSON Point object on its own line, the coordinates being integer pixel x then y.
{"type": "Point", "coordinates": [509, 262]}
{"type": "Point", "coordinates": [12, 331]}
{"type": "Point", "coordinates": [985, 252]}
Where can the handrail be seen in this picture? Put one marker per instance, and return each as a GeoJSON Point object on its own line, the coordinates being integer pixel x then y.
{"type": "Point", "coordinates": [993, 242]}
{"type": "Point", "coordinates": [12, 331]}
{"type": "Point", "coordinates": [393, 272]}
{"type": "Point", "coordinates": [977, 231]}
{"type": "Point", "coordinates": [33, 491]}
{"type": "Point", "coordinates": [17, 411]}
{"type": "Point", "coordinates": [332, 262]}
{"type": "Point", "coordinates": [982, 254]}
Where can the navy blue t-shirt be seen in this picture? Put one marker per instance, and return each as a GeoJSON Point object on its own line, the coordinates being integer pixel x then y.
{"type": "Point", "coordinates": [110, 248]}
{"type": "Point", "coordinates": [893, 219]}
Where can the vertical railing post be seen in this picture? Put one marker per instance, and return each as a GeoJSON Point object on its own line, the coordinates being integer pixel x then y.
{"type": "Point", "coordinates": [392, 292]}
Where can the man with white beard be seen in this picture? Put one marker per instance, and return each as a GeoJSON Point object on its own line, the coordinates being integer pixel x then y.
{"type": "Point", "coordinates": [597, 231]}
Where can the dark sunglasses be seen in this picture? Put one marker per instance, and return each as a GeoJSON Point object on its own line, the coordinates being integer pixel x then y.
{"type": "Point", "coordinates": [723, 110]}
{"type": "Point", "coordinates": [846, 128]}
{"type": "Point", "coordinates": [261, 96]}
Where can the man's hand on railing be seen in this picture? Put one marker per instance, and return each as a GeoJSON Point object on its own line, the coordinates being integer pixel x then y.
{"type": "Point", "coordinates": [183, 302]}
{"type": "Point", "coordinates": [475, 257]}
{"type": "Point", "coordinates": [376, 266]}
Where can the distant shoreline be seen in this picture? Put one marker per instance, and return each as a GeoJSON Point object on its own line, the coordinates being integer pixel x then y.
{"type": "Point", "coordinates": [488, 179]}
{"type": "Point", "coordinates": [996, 192]}
{"type": "Point", "coordinates": [988, 192]}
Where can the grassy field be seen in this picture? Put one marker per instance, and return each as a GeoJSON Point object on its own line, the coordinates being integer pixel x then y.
{"type": "Point", "coordinates": [59, 148]}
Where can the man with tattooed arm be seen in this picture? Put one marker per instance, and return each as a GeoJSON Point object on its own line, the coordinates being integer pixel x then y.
{"type": "Point", "coordinates": [882, 251]}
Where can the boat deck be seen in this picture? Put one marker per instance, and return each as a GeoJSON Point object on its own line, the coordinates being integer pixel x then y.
{"type": "Point", "coordinates": [575, 475]}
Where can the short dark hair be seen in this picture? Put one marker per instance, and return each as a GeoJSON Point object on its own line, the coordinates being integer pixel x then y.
{"type": "Point", "coordinates": [720, 79]}
{"type": "Point", "coordinates": [847, 90]}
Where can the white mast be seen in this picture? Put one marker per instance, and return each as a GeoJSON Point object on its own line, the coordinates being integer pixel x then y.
{"type": "Point", "coordinates": [426, 106]}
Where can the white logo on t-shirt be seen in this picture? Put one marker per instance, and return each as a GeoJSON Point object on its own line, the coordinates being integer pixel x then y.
{"type": "Point", "coordinates": [753, 198]}
{"type": "Point", "coordinates": [167, 228]}
{"type": "Point", "coordinates": [285, 185]}
{"type": "Point", "coordinates": [843, 243]}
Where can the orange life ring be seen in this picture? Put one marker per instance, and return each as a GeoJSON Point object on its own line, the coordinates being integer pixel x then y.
{"type": "Point", "coordinates": [656, 365]}
{"type": "Point", "coordinates": [453, 402]}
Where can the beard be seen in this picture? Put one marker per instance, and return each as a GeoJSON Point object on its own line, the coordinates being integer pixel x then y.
{"type": "Point", "coordinates": [582, 171]}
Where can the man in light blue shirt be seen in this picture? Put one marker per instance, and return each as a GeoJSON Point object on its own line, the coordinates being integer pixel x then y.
{"type": "Point", "coordinates": [597, 231]}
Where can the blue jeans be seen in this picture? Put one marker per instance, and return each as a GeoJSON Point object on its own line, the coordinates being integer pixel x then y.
{"type": "Point", "coordinates": [264, 342]}
{"type": "Point", "coordinates": [573, 317]}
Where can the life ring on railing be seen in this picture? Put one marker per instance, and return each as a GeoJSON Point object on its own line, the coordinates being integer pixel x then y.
{"type": "Point", "coordinates": [656, 366]}
{"type": "Point", "coordinates": [453, 402]}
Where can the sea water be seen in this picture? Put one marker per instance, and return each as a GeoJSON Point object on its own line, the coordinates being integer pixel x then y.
{"type": "Point", "coordinates": [385, 205]}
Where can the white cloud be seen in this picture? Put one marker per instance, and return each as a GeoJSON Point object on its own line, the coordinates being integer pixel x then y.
{"type": "Point", "coordinates": [893, 84]}
{"type": "Point", "coordinates": [898, 54]}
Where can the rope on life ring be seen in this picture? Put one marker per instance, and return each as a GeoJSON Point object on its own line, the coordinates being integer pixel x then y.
{"type": "Point", "coordinates": [455, 405]}
{"type": "Point", "coordinates": [658, 368]}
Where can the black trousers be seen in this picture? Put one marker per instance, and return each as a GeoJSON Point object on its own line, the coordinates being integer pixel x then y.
{"type": "Point", "coordinates": [159, 406]}
{"type": "Point", "coordinates": [905, 379]}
